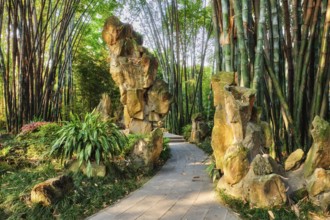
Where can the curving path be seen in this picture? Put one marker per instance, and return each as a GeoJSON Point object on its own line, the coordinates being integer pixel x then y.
{"type": "Point", "coordinates": [180, 190]}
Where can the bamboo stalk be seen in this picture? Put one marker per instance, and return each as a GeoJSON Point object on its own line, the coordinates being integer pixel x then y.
{"type": "Point", "coordinates": [259, 50]}
{"type": "Point", "coordinates": [321, 70]}
{"type": "Point", "coordinates": [286, 111]}
{"type": "Point", "coordinates": [244, 64]}
{"type": "Point", "coordinates": [225, 39]}
{"type": "Point", "coordinates": [288, 52]}
{"type": "Point", "coordinates": [304, 71]}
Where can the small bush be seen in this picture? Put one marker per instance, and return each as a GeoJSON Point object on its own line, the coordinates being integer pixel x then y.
{"type": "Point", "coordinates": [132, 139]}
{"type": "Point", "coordinates": [90, 139]}
{"type": "Point", "coordinates": [213, 172]}
{"type": "Point", "coordinates": [186, 131]}
{"type": "Point", "coordinates": [166, 152]}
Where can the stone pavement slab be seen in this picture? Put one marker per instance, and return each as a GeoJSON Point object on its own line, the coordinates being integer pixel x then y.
{"type": "Point", "coordinates": [180, 190]}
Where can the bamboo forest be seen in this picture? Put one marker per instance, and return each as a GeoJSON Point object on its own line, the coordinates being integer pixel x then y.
{"type": "Point", "coordinates": [165, 109]}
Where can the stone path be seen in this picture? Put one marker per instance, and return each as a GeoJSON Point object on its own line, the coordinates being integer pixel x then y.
{"type": "Point", "coordinates": [180, 190]}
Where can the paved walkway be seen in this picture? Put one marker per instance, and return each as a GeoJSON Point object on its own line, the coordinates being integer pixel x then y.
{"type": "Point", "coordinates": [180, 190]}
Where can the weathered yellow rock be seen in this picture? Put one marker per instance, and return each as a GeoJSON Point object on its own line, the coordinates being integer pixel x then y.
{"type": "Point", "coordinates": [222, 135]}
{"type": "Point", "coordinates": [238, 106]}
{"type": "Point", "coordinates": [268, 135]}
{"type": "Point", "coordinates": [149, 149]}
{"type": "Point", "coordinates": [159, 99]}
{"type": "Point", "coordinates": [319, 154]}
{"type": "Point", "coordinates": [294, 159]}
{"type": "Point", "coordinates": [254, 140]}
{"type": "Point", "coordinates": [135, 103]}
{"type": "Point", "coordinates": [322, 200]}
{"type": "Point", "coordinates": [265, 191]}
{"type": "Point", "coordinates": [52, 190]}
{"type": "Point", "coordinates": [219, 81]}
{"type": "Point", "coordinates": [235, 164]}
{"type": "Point", "coordinates": [134, 70]}
{"type": "Point", "coordinates": [318, 182]}
{"type": "Point", "coordinates": [199, 128]}
{"type": "Point", "coordinates": [137, 126]}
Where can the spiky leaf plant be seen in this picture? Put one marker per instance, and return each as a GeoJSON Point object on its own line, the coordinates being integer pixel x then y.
{"type": "Point", "coordinates": [90, 140]}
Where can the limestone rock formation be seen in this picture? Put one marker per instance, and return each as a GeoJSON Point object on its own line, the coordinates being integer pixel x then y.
{"type": "Point", "coordinates": [146, 100]}
{"type": "Point", "coordinates": [261, 186]}
{"type": "Point", "coordinates": [222, 134]}
{"type": "Point", "coordinates": [318, 187]}
{"type": "Point", "coordinates": [235, 164]}
{"type": "Point", "coordinates": [319, 154]}
{"type": "Point", "coordinates": [262, 165]}
{"type": "Point", "coordinates": [269, 141]}
{"type": "Point", "coordinates": [199, 128]}
{"type": "Point", "coordinates": [294, 160]}
{"type": "Point", "coordinates": [49, 192]}
{"type": "Point", "coordinates": [318, 182]}
{"type": "Point", "coordinates": [322, 200]}
{"type": "Point", "coordinates": [146, 151]}
{"type": "Point", "coordinates": [238, 140]}
{"type": "Point", "coordinates": [254, 140]}
{"type": "Point", "coordinates": [265, 191]}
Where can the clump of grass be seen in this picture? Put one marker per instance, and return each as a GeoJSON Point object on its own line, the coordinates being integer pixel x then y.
{"type": "Point", "coordinates": [166, 152]}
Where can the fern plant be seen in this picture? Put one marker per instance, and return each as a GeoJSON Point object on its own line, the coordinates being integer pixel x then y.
{"type": "Point", "coordinates": [90, 140]}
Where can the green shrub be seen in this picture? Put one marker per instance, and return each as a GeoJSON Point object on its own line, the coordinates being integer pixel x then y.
{"type": "Point", "coordinates": [206, 146]}
{"type": "Point", "coordinates": [213, 172]}
{"type": "Point", "coordinates": [132, 139]}
{"type": "Point", "coordinates": [186, 131]}
{"type": "Point", "coordinates": [90, 139]}
{"type": "Point", "coordinates": [166, 152]}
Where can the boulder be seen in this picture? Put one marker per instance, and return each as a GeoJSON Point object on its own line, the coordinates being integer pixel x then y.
{"type": "Point", "coordinates": [294, 160]}
{"type": "Point", "coordinates": [318, 182]}
{"type": "Point", "coordinates": [49, 192]}
{"type": "Point", "coordinates": [261, 166]}
{"type": "Point", "coordinates": [235, 164]}
{"type": "Point", "coordinates": [264, 191]}
{"type": "Point", "coordinates": [261, 186]}
{"type": "Point", "coordinates": [148, 149]}
{"type": "Point", "coordinates": [319, 154]}
{"type": "Point", "coordinates": [322, 200]}
{"type": "Point", "coordinates": [199, 128]}
{"type": "Point", "coordinates": [233, 190]}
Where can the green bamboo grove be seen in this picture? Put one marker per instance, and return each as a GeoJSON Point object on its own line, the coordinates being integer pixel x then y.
{"type": "Point", "coordinates": [281, 49]}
